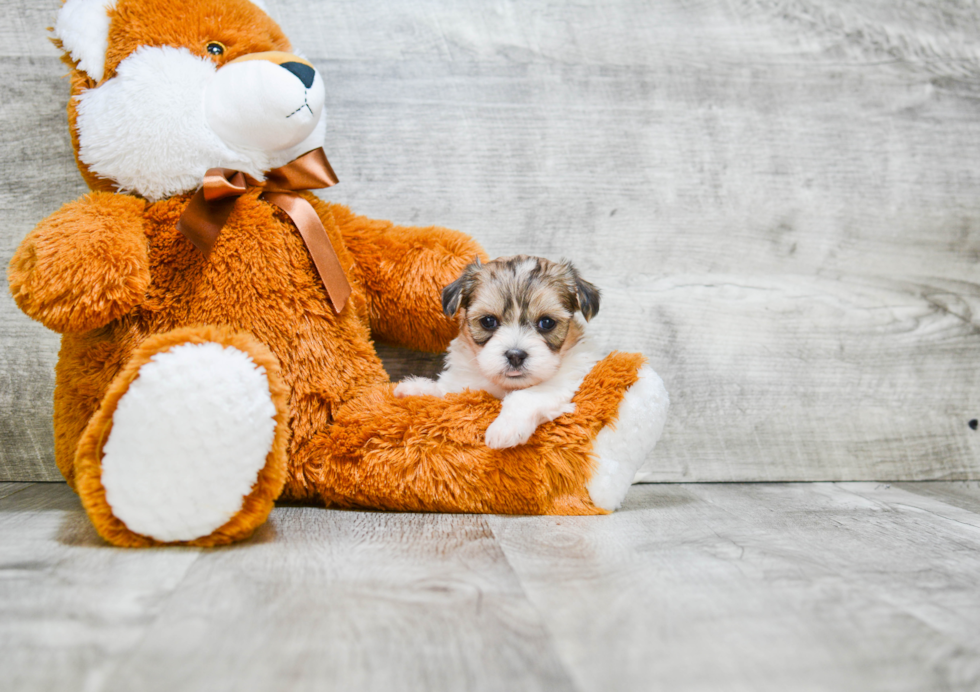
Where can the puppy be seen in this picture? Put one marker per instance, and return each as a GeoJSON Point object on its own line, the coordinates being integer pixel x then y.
{"type": "Point", "coordinates": [519, 339]}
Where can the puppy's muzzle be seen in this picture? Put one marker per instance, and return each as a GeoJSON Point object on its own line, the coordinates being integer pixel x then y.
{"type": "Point", "coordinates": [516, 357]}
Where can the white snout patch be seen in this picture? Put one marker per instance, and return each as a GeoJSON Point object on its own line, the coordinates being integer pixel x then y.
{"type": "Point", "coordinates": [541, 362]}
{"type": "Point", "coordinates": [143, 128]}
{"type": "Point", "coordinates": [147, 130]}
{"type": "Point", "coordinates": [262, 105]}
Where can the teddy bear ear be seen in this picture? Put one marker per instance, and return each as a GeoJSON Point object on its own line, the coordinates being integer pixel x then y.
{"type": "Point", "coordinates": [82, 27]}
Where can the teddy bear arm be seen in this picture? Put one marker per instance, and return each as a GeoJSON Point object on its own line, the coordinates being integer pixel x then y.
{"type": "Point", "coordinates": [403, 270]}
{"type": "Point", "coordinates": [83, 266]}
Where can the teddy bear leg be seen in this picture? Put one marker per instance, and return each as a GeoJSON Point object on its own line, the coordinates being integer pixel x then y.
{"type": "Point", "coordinates": [426, 453]}
{"type": "Point", "coordinates": [189, 443]}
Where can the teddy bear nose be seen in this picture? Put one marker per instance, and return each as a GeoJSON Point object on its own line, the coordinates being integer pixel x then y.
{"type": "Point", "coordinates": [304, 72]}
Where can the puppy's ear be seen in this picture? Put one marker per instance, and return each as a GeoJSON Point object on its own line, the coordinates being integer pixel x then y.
{"type": "Point", "coordinates": [586, 294]}
{"type": "Point", "coordinates": [588, 298]}
{"type": "Point", "coordinates": [453, 294]}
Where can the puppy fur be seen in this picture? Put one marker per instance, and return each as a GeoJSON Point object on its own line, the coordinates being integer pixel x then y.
{"type": "Point", "coordinates": [520, 338]}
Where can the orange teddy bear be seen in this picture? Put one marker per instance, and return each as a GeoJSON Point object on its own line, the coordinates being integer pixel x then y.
{"type": "Point", "coordinates": [217, 317]}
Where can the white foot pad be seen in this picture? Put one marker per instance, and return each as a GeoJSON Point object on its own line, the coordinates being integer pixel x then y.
{"type": "Point", "coordinates": [188, 440]}
{"type": "Point", "coordinates": [620, 449]}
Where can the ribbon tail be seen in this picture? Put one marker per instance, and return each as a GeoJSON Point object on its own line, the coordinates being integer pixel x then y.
{"type": "Point", "coordinates": [318, 243]}
{"type": "Point", "coordinates": [202, 221]}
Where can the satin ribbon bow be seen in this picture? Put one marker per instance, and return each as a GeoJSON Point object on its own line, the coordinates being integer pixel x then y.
{"type": "Point", "coordinates": [210, 207]}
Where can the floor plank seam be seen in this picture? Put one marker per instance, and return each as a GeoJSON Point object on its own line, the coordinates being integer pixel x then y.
{"type": "Point", "coordinates": [913, 508]}
{"type": "Point", "coordinates": [26, 484]}
{"type": "Point", "coordinates": [124, 658]}
{"type": "Point", "coordinates": [576, 684]}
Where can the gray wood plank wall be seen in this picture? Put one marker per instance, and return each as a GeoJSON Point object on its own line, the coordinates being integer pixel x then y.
{"type": "Point", "coordinates": [779, 200]}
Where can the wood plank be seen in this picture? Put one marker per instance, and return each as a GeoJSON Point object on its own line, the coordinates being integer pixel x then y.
{"type": "Point", "coordinates": [336, 600]}
{"type": "Point", "coordinates": [23, 28]}
{"type": "Point", "coordinates": [402, 362]}
{"type": "Point", "coordinates": [964, 494]}
{"type": "Point", "coordinates": [934, 503]}
{"type": "Point", "coordinates": [789, 377]}
{"type": "Point", "coordinates": [778, 197]}
{"type": "Point", "coordinates": [343, 600]}
{"type": "Point", "coordinates": [71, 607]}
{"type": "Point", "coordinates": [758, 587]}
{"type": "Point", "coordinates": [32, 120]}
{"type": "Point", "coordinates": [853, 586]}
{"type": "Point", "coordinates": [11, 488]}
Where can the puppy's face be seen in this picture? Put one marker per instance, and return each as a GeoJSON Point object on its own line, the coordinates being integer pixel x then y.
{"type": "Point", "coordinates": [517, 314]}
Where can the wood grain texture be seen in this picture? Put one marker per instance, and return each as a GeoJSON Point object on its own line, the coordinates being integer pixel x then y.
{"type": "Point", "coordinates": [39, 176]}
{"type": "Point", "coordinates": [759, 587]}
{"type": "Point", "coordinates": [70, 606]}
{"type": "Point", "coordinates": [779, 199]}
{"type": "Point", "coordinates": [316, 600]}
{"type": "Point", "coordinates": [964, 494]}
{"type": "Point", "coordinates": [374, 602]}
{"type": "Point", "coordinates": [787, 377]}
{"type": "Point", "coordinates": [691, 587]}
{"type": "Point", "coordinates": [11, 488]}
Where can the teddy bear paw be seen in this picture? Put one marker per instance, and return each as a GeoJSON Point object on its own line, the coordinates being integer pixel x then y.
{"type": "Point", "coordinates": [621, 448]}
{"type": "Point", "coordinates": [188, 440]}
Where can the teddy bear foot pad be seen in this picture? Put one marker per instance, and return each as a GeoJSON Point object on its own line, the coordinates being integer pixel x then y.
{"type": "Point", "coordinates": [620, 449]}
{"type": "Point", "coordinates": [188, 440]}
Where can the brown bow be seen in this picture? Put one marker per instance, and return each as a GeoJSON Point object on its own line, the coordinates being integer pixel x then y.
{"type": "Point", "coordinates": [211, 206]}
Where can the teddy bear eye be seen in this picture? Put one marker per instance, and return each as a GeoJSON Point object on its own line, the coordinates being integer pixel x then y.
{"type": "Point", "coordinates": [215, 48]}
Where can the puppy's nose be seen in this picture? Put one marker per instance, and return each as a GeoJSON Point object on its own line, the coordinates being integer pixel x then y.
{"type": "Point", "coordinates": [516, 357]}
{"type": "Point", "coordinates": [304, 72]}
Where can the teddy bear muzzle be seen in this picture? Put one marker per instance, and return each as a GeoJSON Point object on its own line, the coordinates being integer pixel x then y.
{"type": "Point", "coordinates": [267, 101]}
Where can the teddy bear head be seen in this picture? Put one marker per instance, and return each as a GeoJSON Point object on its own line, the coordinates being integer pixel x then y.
{"type": "Point", "coordinates": [163, 90]}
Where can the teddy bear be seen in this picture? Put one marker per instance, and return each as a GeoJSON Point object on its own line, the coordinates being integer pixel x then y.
{"type": "Point", "coordinates": [218, 319]}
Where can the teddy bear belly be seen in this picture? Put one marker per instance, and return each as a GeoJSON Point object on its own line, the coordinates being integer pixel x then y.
{"type": "Point", "coordinates": [259, 278]}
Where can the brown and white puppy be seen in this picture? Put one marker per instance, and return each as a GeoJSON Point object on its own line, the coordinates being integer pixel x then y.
{"type": "Point", "coordinates": [519, 339]}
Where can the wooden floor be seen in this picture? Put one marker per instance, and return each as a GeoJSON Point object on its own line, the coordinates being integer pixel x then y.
{"type": "Point", "coordinates": [809, 586]}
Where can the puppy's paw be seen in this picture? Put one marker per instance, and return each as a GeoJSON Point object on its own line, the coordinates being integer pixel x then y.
{"type": "Point", "coordinates": [509, 431]}
{"type": "Point", "coordinates": [557, 410]}
{"type": "Point", "coordinates": [417, 386]}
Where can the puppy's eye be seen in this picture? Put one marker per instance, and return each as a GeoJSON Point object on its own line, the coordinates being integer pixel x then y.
{"type": "Point", "coordinates": [546, 324]}
{"type": "Point", "coordinates": [215, 48]}
{"type": "Point", "coordinates": [489, 322]}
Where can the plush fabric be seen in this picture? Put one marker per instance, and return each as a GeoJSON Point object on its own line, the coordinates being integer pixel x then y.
{"type": "Point", "coordinates": [112, 273]}
{"type": "Point", "coordinates": [428, 454]}
{"type": "Point", "coordinates": [86, 465]}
